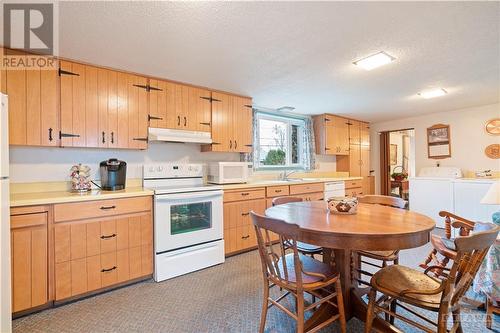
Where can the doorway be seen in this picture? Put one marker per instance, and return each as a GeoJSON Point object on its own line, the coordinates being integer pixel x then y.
{"type": "Point", "coordinates": [397, 162]}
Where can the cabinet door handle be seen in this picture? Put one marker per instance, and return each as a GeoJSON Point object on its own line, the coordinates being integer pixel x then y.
{"type": "Point", "coordinates": [68, 135]}
{"type": "Point", "coordinates": [50, 134]}
{"type": "Point", "coordinates": [230, 144]}
{"type": "Point", "coordinates": [103, 137]}
{"type": "Point", "coordinates": [178, 120]}
{"type": "Point", "coordinates": [104, 270]}
{"type": "Point", "coordinates": [245, 237]}
{"type": "Point", "coordinates": [235, 144]}
{"type": "Point", "coordinates": [108, 207]}
{"type": "Point", "coordinates": [245, 214]}
{"type": "Point", "coordinates": [112, 137]}
{"type": "Point", "coordinates": [150, 117]}
{"type": "Point", "coordinates": [185, 121]}
{"type": "Point", "coordinates": [109, 236]}
{"type": "Point", "coordinates": [207, 124]}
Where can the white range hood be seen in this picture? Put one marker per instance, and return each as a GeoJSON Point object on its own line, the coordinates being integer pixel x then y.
{"type": "Point", "coordinates": [174, 135]}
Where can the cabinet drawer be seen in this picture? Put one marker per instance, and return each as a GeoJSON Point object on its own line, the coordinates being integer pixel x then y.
{"type": "Point", "coordinates": [306, 188]}
{"type": "Point", "coordinates": [76, 240]}
{"type": "Point", "coordinates": [80, 276]}
{"type": "Point", "coordinates": [249, 194]}
{"type": "Point", "coordinates": [237, 214]}
{"type": "Point", "coordinates": [277, 191]}
{"type": "Point", "coordinates": [28, 220]}
{"type": "Point", "coordinates": [353, 183]}
{"type": "Point", "coordinates": [312, 196]}
{"type": "Point", "coordinates": [354, 192]}
{"type": "Point", "coordinates": [100, 208]}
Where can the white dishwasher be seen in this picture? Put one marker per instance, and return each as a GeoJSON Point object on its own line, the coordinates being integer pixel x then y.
{"type": "Point", "coordinates": [334, 189]}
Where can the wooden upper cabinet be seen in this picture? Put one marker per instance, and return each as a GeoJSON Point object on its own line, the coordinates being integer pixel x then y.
{"type": "Point", "coordinates": [331, 135]}
{"type": "Point", "coordinates": [178, 106]}
{"type": "Point", "coordinates": [364, 161]}
{"type": "Point", "coordinates": [102, 108]}
{"type": "Point", "coordinates": [232, 121]}
{"type": "Point", "coordinates": [222, 122]}
{"type": "Point", "coordinates": [242, 124]}
{"type": "Point", "coordinates": [199, 110]}
{"type": "Point", "coordinates": [354, 132]}
{"type": "Point", "coordinates": [33, 103]}
{"type": "Point", "coordinates": [364, 130]}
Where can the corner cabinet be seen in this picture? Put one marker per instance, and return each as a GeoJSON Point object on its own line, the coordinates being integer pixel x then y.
{"type": "Point", "coordinates": [232, 121]}
{"type": "Point", "coordinates": [102, 108]}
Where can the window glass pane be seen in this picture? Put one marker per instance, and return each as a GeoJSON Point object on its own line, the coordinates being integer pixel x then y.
{"type": "Point", "coordinates": [295, 144]}
{"type": "Point", "coordinates": [190, 217]}
{"type": "Point", "coordinates": [272, 142]}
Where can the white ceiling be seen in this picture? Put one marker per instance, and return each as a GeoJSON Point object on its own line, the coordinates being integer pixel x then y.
{"type": "Point", "coordinates": [300, 54]}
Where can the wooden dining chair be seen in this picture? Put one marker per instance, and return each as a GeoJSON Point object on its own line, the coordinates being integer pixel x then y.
{"type": "Point", "coordinates": [443, 247]}
{"type": "Point", "coordinates": [399, 284]}
{"type": "Point", "coordinates": [295, 273]}
{"type": "Point", "coordinates": [383, 256]}
{"type": "Point", "coordinates": [304, 248]}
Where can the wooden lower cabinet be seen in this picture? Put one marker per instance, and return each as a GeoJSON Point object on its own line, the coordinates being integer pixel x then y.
{"type": "Point", "coordinates": [29, 259]}
{"type": "Point", "coordinates": [94, 254]}
{"type": "Point", "coordinates": [311, 196]}
{"type": "Point", "coordinates": [239, 232]}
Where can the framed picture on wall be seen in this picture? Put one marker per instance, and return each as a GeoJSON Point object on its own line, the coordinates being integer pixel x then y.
{"type": "Point", "coordinates": [438, 141]}
{"type": "Point", "coordinates": [394, 154]}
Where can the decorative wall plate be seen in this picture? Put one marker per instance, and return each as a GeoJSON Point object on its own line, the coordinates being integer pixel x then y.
{"type": "Point", "coordinates": [493, 151]}
{"type": "Point", "coordinates": [493, 126]}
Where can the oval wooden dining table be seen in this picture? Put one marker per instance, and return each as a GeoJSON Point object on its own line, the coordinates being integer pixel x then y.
{"type": "Point", "coordinates": [372, 228]}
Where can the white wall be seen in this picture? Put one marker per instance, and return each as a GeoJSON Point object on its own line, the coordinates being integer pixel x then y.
{"type": "Point", "coordinates": [36, 164]}
{"type": "Point", "coordinates": [468, 138]}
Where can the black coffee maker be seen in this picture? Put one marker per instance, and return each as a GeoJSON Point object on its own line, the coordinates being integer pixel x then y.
{"type": "Point", "coordinates": [113, 174]}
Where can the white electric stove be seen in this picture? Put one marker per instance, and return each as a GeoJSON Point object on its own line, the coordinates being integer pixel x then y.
{"type": "Point", "coordinates": [188, 217]}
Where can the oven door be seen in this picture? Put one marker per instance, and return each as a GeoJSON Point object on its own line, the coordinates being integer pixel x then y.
{"type": "Point", "coordinates": [185, 219]}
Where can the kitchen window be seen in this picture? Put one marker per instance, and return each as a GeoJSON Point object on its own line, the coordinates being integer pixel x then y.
{"type": "Point", "coordinates": [279, 142]}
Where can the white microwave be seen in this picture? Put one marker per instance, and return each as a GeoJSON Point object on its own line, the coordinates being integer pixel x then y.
{"type": "Point", "coordinates": [228, 172]}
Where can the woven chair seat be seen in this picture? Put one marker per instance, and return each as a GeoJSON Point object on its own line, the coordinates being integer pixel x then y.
{"type": "Point", "coordinates": [392, 280]}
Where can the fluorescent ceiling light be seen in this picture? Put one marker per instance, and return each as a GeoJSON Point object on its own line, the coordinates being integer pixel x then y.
{"type": "Point", "coordinates": [374, 61]}
{"type": "Point", "coordinates": [433, 93]}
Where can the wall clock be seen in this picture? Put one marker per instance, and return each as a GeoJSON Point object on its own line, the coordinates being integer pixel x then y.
{"type": "Point", "coordinates": [493, 126]}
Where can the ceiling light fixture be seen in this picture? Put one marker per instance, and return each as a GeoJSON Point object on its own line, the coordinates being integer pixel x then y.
{"type": "Point", "coordinates": [375, 60]}
{"type": "Point", "coordinates": [433, 93]}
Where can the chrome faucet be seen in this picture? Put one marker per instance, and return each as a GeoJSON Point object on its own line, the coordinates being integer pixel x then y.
{"type": "Point", "coordinates": [285, 175]}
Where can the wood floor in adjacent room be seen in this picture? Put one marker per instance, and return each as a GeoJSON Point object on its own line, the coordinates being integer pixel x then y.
{"type": "Point", "coordinates": [225, 298]}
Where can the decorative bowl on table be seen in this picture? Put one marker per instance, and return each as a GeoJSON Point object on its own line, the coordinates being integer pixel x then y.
{"type": "Point", "coordinates": [343, 205]}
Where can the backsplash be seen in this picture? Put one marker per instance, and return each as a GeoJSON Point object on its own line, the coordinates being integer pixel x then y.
{"type": "Point", "coordinates": [29, 164]}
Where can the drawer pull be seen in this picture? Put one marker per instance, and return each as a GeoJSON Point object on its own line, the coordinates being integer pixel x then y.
{"type": "Point", "coordinates": [277, 191]}
{"type": "Point", "coordinates": [245, 214]}
{"type": "Point", "coordinates": [110, 236]}
{"type": "Point", "coordinates": [245, 237]}
{"type": "Point", "coordinates": [108, 207]}
{"type": "Point", "coordinates": [245, 194]}
{"type": "Point", "coordinates": [104, 270]}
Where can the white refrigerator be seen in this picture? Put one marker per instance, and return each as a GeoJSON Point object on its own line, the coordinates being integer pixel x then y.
{"type": "Point", "coordinates": [5, 286]}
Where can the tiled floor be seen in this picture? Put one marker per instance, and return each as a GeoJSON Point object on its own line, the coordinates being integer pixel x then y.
{"type": "Point", "coordinates": [225, 298]}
